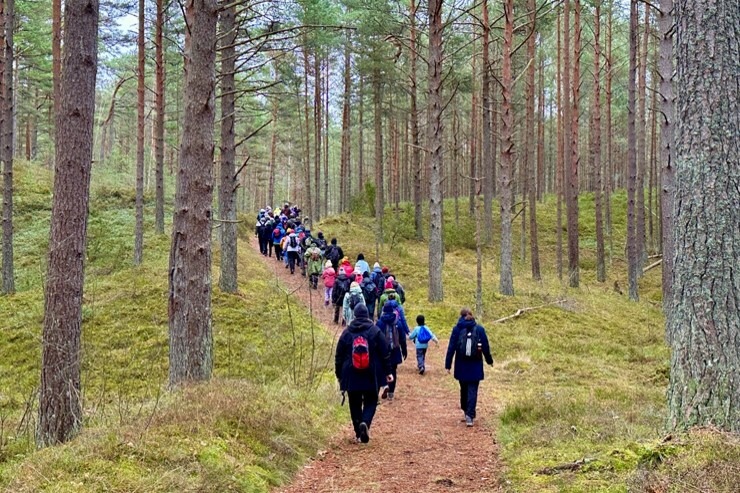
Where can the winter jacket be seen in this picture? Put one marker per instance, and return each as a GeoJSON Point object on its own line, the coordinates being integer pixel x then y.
{"type": "Point", "coordinates": [384, 323]}
{"type": "Point", "coordinates": [341, 287]}
{"type": "Point", "coordinates": [377, 277]}
{"type": "Point", "coordinates": [348, 270]}
{"type": "Point", "coordinates": [349, 311]}
{"type": "Point", "coordinates": [402, 322]}
{"type": "Point", "coordinates": [297, 247]}
{"type": "Point", "coordinates": [277, 235]}
{"type": "Point", "coordinates": [414, 336]}
{"type": "Point", "coordinates": [314, 266]}
{"type": "Point", "coordinates": [384, 298]}
{"type": "Point", "coordinates": [362, 266]}
{"type": "Point", "coordinates": [368, 290]}
{"type": "Point", "coordinates": [351, 379]}
{"type": "Point", "coordinates": [468, 369]}
{"type": "Point", "coordinates": [329, 276]}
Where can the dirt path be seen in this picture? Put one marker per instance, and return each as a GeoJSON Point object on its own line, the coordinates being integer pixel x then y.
{"type": "Point", "coordinates": [418, 443]}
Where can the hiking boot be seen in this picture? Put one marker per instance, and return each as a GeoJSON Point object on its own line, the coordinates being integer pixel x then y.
{"type": "Point", "coordinates": [468, 421]}
{"type": "Point", "coordinates": [364, 433]}
{"type": "Point", "coordinates": [384, 395]}
{"type": "Point", "coordinates": [421, 370]}
{"type": "Point", "coordinates": [390, 396]}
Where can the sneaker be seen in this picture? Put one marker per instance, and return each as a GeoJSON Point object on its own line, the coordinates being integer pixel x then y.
{"type": "Point", "coordinates": [390, 396]}
{"type": "Point", "coordinates": [468, 421]}
{"type": "Point", "coordinates": [384, 395]}
{"type": "Point", "coordinates": [364, 433]}
{"type": "Point", "coordinates": [421, 370]}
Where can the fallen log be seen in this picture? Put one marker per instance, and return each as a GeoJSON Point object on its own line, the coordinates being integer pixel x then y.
{"type": "Point", "coordinates": [522, 311]}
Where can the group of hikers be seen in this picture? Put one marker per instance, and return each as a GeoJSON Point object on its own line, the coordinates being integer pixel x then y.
{"type": "Point", "coordinates": [369, 303]}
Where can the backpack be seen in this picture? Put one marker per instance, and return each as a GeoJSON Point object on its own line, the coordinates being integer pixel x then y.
{"type": "Point", "coordinates": [293, 242]}
{"type": "Point", "coordinates": [354, 300]}
{"type": "Point", "coordinates": [333, 254]}
{"type": "Point", "coordinates": [467, 345]}
{"type": "Point", "coordinates": [399, 290]}
{"type": "Point", "coordinates": [391, 332]}
{"type": "Point", "coordinates": [424, 335]}
{"type": "Point", "coordinates": [315, 256]}
{"type": "Point", "coordinates": [369, 290]}
{"type": "Point", "coordinates": [379, 280]}
{"type": "Point", "coordinates": [360, 353]}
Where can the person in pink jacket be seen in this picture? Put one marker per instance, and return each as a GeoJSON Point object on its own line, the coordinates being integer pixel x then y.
{"type": "Point", "coordinates": [329, 276]}
{"type": "Point", "coordinates": [347, 267]}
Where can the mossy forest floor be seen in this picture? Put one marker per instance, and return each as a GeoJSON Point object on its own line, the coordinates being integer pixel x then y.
{"type": "Point", "coordinates": [580, 383]}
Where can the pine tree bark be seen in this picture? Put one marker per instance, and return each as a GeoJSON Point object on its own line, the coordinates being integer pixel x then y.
{"type": "Point", "coordinates": [226, 200]}
{"type": "Point", "coordinates": [273, 149]}
{"type": "Point", "coordinates": [704, 320]}
{"type": "Point", "coordinates": [641, 131]}
{"type": "Point", "coordinates": [487, 161]}
{"type": "Point", "coordinates": [60, 411]}
{"type": "Point", "coordinates": [190, 330]}
{"type": "Point", "coordinates": [139, 228]}
{"type": "Point", "coordinates": [573, 272]}
{"type": "Point", "coordinates": [414, 113]}
{"type": "Point", "coordinates": [632, 248]}
{"type": "Point", "coordinates": [565, 101]}
{"type": "Point", "coordinates": [159, 104]}
{"type": "Point", "coordinates": [378, 127]}
{"type": "Point", "coordinates": [596, 146]}
{"type": "Point", "coordinates": [56, 53]}
{"type": "Point", "coordinates": [609, 172]}
{"type": "Point", "coordinates": [530, 163]}
{"type": "Point", "coordinates": [317, 115]}
{"type": "Point", "coordinates": [435, 141]}
{"type": "Point", "coordinates": [473, 139]}
{"type": "Point", "coordinates": [6, 145]}
{"type": "Point", "coordinates": [307, 142]}
{"type": "Point", "coordinates": [667, 149]}
{"type": "Point", "coordinates": [345, 184]}
{"type": "Point", "coordinates": [361, 138]}
{"type": "Point", "coordinates": [506, 279]}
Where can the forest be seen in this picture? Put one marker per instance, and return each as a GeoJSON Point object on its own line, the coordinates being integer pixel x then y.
{"type": "Point", "coordinates": [568, 169]}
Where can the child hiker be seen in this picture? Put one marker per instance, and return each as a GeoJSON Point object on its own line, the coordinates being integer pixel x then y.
{"type": "Point", "coordinates": [329, 276]}
{"type": "Point", "coordinates": [422, 336]}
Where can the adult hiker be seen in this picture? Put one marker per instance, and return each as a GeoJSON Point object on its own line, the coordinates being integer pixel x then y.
{"type": "Point", "coordinates": [313, 260]}
{"type": "Point", "coordinates": [294, 251]}
{"type": "Point", "coordinates": [390, 324]}
{"type": "Point", "coordinates": [334, 253]}
{"type": "Point", "coordinates": [387, 291]}
{"type": "Point", "coordinates": [277, 238]}
{"type": "Point", "coordinates": [369, 292]}
{"type": "Point", "coordinates": [362, 265]}
{"type": "Point", "coordinates": [351, 300]}
{"type": "Point", "coordinates": [469, 346]}
{"type": "Point", "coordinates": [341, 287]}
{"type": "Point", "coordinates": [362, 364]}
{"type": "Point", "coordinates": [377, 277]}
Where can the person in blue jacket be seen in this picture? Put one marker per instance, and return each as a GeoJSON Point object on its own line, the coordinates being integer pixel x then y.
{"type": "Point", "coordinates": [469, 346]}
{"type": "Point", "coordinates": [393, 325]}
{"type": "Point", "coordinates": [362, 384]}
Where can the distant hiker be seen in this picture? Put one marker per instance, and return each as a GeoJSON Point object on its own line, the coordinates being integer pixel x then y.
{"type": "Point", "coordinates": [347, 267]}
{"type": "Point", "coordinates": [390, 324]}
{"type": "Point", "coordinates": [361, 265]}
{"type": "Point", "coordinates": [284, 245]}
{"type": "Point", "coordinates": [321, 242]}
{"type": "Point", "coordinates": [313, 261]}
{"type": "Point", "coordinates": [334, 253]}
{"type": "Point", "coordinates": [398, 288]}
{"type": "Point", "coordinates": [422, 336]}
{"type": "Point", "coordinates": [351, 300]}
{"type": "Point", "coordinates": [341, 287]}
{"type": "Point", "coordinates": [329, 277]}
{"type": "Point", "coordinates": [469, 345]}
{"type": "Point", "coordinates": [369, 292]}
{"type": "Point", "coordinates": [377, 277]}
{"type": "Point", "coordinates": [362, 364]}
{"type": "Point", "coordinates": [388, 291]}
{"type": "Point", "coordinates": [277, 237]}
{"type": "Point", "coordinates": [294, 251]}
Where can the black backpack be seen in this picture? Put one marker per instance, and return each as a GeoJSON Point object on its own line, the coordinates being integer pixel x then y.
{"type": "Point", "coordinates": [293, 242]}
{"type": "Point", "coordinates": [379, 280]}
{"type": "Point", "coordinates": [465, 350]}
{"type": "Point", "coordinates": [341, 287]}
{"type": "Point", "coordinates": [354, 300]}
{"type": "Point", "coordinates": [333, 254]}
{"type": "Point", "coordinates": [369, 290]}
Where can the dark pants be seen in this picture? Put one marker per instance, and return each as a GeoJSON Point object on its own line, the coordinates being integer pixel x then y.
{"type": "Point", "coordinates": [263, 245]}
{"type": "Point", "coordinates": [362, 405]}
{"type": "Point", "coordinates": [292, 259]}
{"type": "Point", "coordinates": [314, 281]}
{"type": "Point", "coordinates": [420, 356]}
{"type": "Point", "coordinates": [278, 252]}
{"type": "Point", "coordinates": [371, 309]}
{"type": "Point", "coordinates": [269, 247]}
{"type": "Point", "coordinates": [337, 309]}
{"type": "Point", "coordinates": [394, 372]}
{"type": "Point", "coordinates": [469, 397]}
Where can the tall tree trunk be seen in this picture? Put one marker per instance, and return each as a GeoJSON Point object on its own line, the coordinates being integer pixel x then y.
{"type": "Point", "coordinates": [704, 320]}
{"type": "Point", "coordinates": [317, 110]}
{"type": "Point", "coordinates": [226, 200]}
{"type": "Point", "coordinates": [667, 148]}
{"type": "Point", "coordinates": [541, 182]}
{"type": "Point", "coordinates": [327, 77]}
{"type": "Point", "coordinates": [530, 146]}
{"type": "Point", "coordinates": [596, 146]}
{"type": "Point", "coordinates": [414, 113]}
{"type": "Point", "coordinates": [487, 161]}
{"type": "Point", "coordinates": [159, 122]}
{"type": "Point", "coordinates": [272, 165]}
{"type": "Point", "coordinates": [434, 148]}
{"type": "Point", "coordinates": [473, 134]}
{"type": "Point", "coordinates": [378, 127]}
{"type": "Point", "coordinates": [344, 183]}
{"type": "Point", "coordinates": [310, 199]}
{"type": "Point", "coordinates": [632, 248]}
{"type": "Point", "coordinates": [641, 130]}
{"type": "Point", "coordinates": [506, 280]}
{"type": "Point", "coordinates": [565, 100]}
{"type": "Point", "coordinates": [456, 159]}
{"type": "Point", "coordinates": [139, 228]}
{"type": "Point", "coordinates": [191, 335]}
{"type": "Point", "coordinates": [573, 273]}
{"type": "Point", "coordinates": [6, 145]}
{"type": "Point", "coordinates": [60, 410]}
{"type": "Point", "coordinates": [361, 138]}
{"type": "Point", "coordinates": [609, 182]}
{"type": "Point", "coordinates": [56, 54]}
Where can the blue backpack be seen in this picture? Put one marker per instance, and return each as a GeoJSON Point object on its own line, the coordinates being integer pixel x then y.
{"type": "Point", "coordinates": [424, 335]}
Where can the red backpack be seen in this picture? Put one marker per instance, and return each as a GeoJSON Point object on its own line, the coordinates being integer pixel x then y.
{"type": "Point", "coordinates": [360, 353]}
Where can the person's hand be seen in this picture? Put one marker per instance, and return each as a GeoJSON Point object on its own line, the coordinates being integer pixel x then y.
{"type": "Point", "coordinates": [389, 378]}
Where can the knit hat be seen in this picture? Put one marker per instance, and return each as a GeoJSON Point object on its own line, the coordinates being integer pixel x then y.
{"type": "Point", "coordinates": [327, 264]}
{"type": "Point", "coordinates": [354, 285]}
{"type": "Point", "coordinates": [388, 284]}
{"type": "Point", "coordinates": [345, 260]}
{"type": "Point", "coordinates": [376, 265]}
{"type": "Point", "coordinates": [391, 278]}
{"type": "Point", "coordinates": [361, 311]}
{"type": "Point", "coordinates": [385, 270]}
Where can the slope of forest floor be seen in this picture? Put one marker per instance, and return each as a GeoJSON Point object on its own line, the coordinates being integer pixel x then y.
{"type": "Point", "coordinates": [244, 431]}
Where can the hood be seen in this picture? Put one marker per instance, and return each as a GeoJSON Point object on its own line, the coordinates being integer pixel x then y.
{"type": "Point", "coordinates": [342, 276]}
{"type": "Point", "coordinates": [466, 324]}
{"type": "Point", "coordinates": [392, 303]}
{"type": "Point", "coordinates": [360, 325]}
{"type": "Point", "coordinates": [355, 289]}
{"type": "Point", "coordinates": [388, 317]}
{"type": "Point", "coordinates": [377, 269]}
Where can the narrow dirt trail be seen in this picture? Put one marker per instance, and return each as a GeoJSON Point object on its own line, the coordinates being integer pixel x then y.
{"type": "Point", "coordinates": [418, 443]}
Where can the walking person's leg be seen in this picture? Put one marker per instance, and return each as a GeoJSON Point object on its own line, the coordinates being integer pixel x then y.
{"type": "Point", "coordinates": [355, 410]}
{"type": "Point", "coordinates": [464, 397]}
{"type": "Point", "coordinates": [370, 404]}
{"type": "Point", "coordinates": [472, 399]}
{"type": "Point", "coordinates": [336, 313]}
{"type": "Point", "coordinates": [392, 385]}
{"type": "Point", "coordinates": [420, 359]}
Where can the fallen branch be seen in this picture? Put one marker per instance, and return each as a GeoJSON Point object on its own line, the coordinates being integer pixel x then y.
{"type": "Point", "coordinates": [652, 266]}
{"type": "Point", "coordinates": [522, 311]}
{"type": "Point", "coordinates": [568, 466]}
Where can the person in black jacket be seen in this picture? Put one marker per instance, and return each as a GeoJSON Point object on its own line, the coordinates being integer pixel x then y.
{"type": "Point", "coordinates": [469, 345]}
{"type": "Point", "coordinates": [392, 324]}
{"type": "Point", "coordinates": [341, 287]}
{"type": "Point", "coordinates": [361, 363]}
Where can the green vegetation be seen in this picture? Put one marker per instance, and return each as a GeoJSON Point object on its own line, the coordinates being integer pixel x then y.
{"type": "Point", "coordinates": [582, 380]}
{"type": "Point", "coordinates": [267, 410]}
